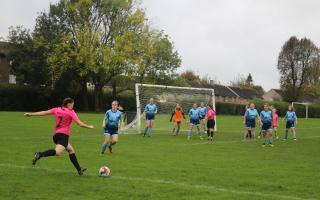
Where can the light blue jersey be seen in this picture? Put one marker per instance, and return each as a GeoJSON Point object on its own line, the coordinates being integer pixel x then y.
{"type": "Point", "coordinates": [112, 119]}
{"type": "Point", "coordinates": [151, 108]}
{"type": "Point", "coordinates": [251, 114]}
{"type": "Point", "coordinates": [194, 114]}
{"type": "Point", "coordinates": [291, 116]}
{"type": "Point", "coordinates": [203, 111]}
{"type": "Point", "coordinates": [266, 116]}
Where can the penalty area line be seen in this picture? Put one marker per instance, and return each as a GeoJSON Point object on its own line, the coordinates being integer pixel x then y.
{"type": "Point", "coordinates": [161, 181]}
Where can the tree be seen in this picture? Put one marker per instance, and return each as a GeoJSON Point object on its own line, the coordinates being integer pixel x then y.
{"type": "Point", "coordinates": [190, 75]}
{"type": "Point", "coordinates": [294, 64]}
{"type": "Point", "coordinates": [240, 81]}
{"type": "Point", "coordinates": [28, 61]}
{"type": "Point", "coordinates": [249, 79]}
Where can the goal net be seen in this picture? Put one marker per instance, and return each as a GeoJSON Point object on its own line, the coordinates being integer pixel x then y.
{"type": "Point", "coordinates": [301, 106]}
{"type": "Point", "coordinates": [166, 98]}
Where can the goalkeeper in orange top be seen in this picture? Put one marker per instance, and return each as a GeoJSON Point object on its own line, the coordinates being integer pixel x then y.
{"type": "Point", "coordinates": [177, 116]}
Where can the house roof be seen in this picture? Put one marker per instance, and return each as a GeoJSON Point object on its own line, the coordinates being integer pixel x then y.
{"type": "Point", "coordinates": [246, 93]}
{"type": "Point", "coordinates": [225, 91]}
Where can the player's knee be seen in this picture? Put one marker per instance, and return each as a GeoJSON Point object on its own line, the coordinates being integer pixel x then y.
{"type": "Point", "coordinates": [59, 152]}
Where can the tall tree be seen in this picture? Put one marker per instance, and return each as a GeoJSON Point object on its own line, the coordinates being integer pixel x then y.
{"type": "Point", "coordinates": [28, 61]}
{"type": "Point", "coordinates": [249, 79]}
{"type": "Point", "coordinates": [294, 64]}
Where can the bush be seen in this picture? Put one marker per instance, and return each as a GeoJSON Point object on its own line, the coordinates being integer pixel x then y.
{"type": "Point", "coordinates": [25, 98]}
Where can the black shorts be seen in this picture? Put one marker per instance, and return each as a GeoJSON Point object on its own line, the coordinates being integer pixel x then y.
{"type": "Point", "coordinates": [266, 126]}
{"type": "Point", "coordinates": [290, 124]}
{"type": "Point", "coordinates": [211, 123]}
{"type": "Point", "coordinates": [251, 123]}
{"type": "Point", "coordinates": [62, 139]}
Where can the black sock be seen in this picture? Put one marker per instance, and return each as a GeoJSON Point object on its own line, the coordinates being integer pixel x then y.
{"type": "Point", "coordinates": [50, 152]}
{"type": "Point", "coordinates": [74, 161]}
{"type": "Point", "coordinates": [212, 134]}
{"type": "Point", "coordinates": [113, 143]}
{"type": "Point", "coordinates": [208, 133]}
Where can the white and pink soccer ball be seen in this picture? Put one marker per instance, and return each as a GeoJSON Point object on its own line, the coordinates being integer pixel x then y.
{"type": "Point", "coordinates": [104, 171]}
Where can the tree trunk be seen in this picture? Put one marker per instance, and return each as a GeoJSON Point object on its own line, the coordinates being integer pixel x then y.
{"type": "Point", "coordinates": [84, 94]}
{"type": "Point", "coordinates": [114, 89]}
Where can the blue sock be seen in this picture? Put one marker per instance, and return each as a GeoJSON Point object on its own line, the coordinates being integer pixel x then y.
{"type": "Point", "coordinates": [263, 140]}
{"type": "Point", "coordinates": [104, 147]}
{"type": "Point", "coordinates": [270, 139]}
{"type": "Point", "coordinates": [189, 133]}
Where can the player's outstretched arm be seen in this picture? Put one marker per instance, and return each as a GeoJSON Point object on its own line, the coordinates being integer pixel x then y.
{"type": "Point", "coordinates": [41, 113]}
{"type": "Point", "coordinates": [83, 125]}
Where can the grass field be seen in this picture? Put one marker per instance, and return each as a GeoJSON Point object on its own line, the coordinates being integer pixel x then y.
{"type": "Point", "coordinates": [161, 167]}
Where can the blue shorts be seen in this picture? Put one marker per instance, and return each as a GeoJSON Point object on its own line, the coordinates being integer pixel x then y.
{"type": "Point", "coordinates": [266, 126]}
{"type": "Point", "coordinates": [195, 122]}
{"type": "Point", "coordinates": [290, 124]}
{"type": "Point", "coordinates": [110, 132]}
{"type": "Point", "coordinates": [149, 117]}
{"type": "Point", "coordinates": [250, 123]}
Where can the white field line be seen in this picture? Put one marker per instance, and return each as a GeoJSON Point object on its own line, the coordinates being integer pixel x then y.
{"type": "Point", "coordinates": [161, 181]}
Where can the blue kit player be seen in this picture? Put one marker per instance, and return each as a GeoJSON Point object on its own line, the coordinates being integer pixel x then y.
{"type": "Point", "coordinates": [111, 123]}
{"type": "Point", "coordinates": [149, 114]}
{"type": "Point", "coordinates": [292, 120]}
{"type": "Point", "coordinates": [203, 112]}
{"type": "Point", "coordinates": [250, 117]}
{"type": "Point", "coordinates": [194, 115]}
{"type": "Point", "coordinates": [266, 120]}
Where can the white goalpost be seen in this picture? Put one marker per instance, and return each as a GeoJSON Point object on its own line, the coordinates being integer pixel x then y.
{"type": "Point", "coordinates": [302, 103]}
{"type": "Point", "coordinates": [166, 97]}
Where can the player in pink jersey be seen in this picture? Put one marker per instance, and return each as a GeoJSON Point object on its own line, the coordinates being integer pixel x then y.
{"type": "Point", "coordinates": [211, 115]}
{"type": "Point", "coordinates": [64, 116]}
{"type": "Point", "coordinates": [275, 122]}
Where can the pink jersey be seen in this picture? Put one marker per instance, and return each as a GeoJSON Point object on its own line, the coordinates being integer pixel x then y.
{"type": "Point", "coordinates": [211, 114]}
{"type": "Point", "coordinates": [64, 117]}
{"type": "Point", "coordinates": [275, 119]}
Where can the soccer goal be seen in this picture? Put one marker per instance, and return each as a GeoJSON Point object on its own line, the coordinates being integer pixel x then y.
{"type": "Point", "coordinates": [166, 97]}
{"type": "Point", "coordinates": [303, 104]}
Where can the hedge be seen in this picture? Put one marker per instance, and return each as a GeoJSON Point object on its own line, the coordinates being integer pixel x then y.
{"type": "Point", "coordinates": [25, 98]}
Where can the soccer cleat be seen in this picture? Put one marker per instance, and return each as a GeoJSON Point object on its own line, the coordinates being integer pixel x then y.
{"type": "Point", "coordinates": [271, 145]}
{"type": "Point", "coordinates": [110, 149]}
{"type": "Point", "coordinates": [81, 171]}
{"type": "Point", "coordinates": [259, 137]}
{"type": "Point", "coordinates": [294, 139]}
{"type": "Point", "coordinates": [277, 137]}
{"type": "Point", "coordinates": [36, 157]}
{"type": "Point", "coordinates": [101, 153]}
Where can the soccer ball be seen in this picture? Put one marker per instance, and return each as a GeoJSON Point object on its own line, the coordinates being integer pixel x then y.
{"type": "Point", "coordinates": [104, 171]}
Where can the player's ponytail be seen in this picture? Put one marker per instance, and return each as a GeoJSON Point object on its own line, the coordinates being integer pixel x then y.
{"type": "Point", "coordinates": [66, 101]}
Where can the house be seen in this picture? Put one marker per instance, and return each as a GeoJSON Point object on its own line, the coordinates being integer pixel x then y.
{"type": "Point", "coordinates": [273, 95]}
{"type": "Point", "coordinates": [278, 95]}
{"type": "Point", "coordinates": [228, 94]}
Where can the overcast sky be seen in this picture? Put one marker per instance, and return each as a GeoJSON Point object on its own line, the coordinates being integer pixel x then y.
{"type": "Point", "coordinates": [220, 38]}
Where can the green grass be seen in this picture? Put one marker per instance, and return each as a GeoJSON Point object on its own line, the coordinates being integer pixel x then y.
{"type": "Point", "coordinates": [161, 167]}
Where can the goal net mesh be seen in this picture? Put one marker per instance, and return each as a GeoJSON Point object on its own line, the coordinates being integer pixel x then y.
{"type": "Point", "coordinates": [166, 98]}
